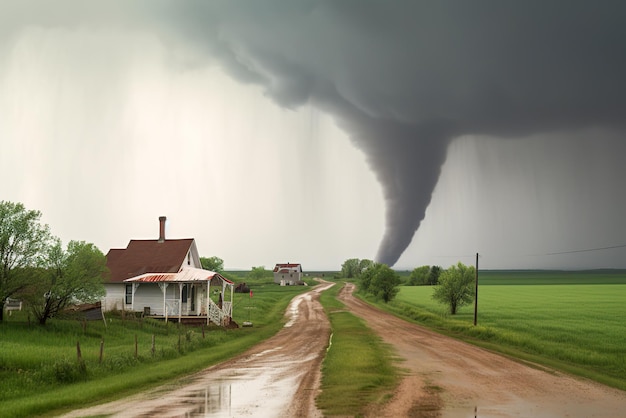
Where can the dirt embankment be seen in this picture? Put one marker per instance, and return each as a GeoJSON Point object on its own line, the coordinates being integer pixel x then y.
{"type": "Point", "coordinates": [449, 378]}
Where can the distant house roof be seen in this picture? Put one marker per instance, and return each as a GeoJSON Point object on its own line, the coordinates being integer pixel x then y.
{"type": "Point", "coordinates": [286, 266]}
{"type": "Point", "coordinates": [147, 256]}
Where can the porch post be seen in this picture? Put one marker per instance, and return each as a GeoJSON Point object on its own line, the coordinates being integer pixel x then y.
{"type": "Point", "coordinates": [163, 287]}
{"type": "Point", "coordinates": [189, 294]}
{"type": "Point", "coordinates": [180, 300]}
{"type": "Point", "coordinates": [208, 300]}
{"type": "Point", "coordinates": [224, 319]}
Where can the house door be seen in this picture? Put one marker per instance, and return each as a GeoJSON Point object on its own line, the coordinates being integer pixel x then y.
{"type": "Point", "coordinates": [188, 298]}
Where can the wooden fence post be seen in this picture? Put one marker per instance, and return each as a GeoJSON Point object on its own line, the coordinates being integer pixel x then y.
{"type": "Point", "coordinates": [152, 345]}
{"type": "Point", "coordinates": [78, 353]}
{"type": "Point", "coordinates": [101, 350]}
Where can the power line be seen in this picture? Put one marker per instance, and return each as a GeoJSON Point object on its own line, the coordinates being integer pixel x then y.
{"type": "Point", "coordinates": [587, 250]}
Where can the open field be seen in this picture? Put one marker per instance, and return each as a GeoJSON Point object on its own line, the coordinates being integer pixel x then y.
{"type": "Point", "coordinates": [576, 327]}
{"type": "Point", "coordinates": [40, 372]}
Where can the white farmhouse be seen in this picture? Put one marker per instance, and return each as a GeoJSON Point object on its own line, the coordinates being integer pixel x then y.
{"type": "Point", "coordinates": [164, 278]}
{"type": "Point", "coordinates": [288, 273]}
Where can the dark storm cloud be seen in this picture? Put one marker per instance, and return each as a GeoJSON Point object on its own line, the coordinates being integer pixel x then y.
{"type": "Point", "coordinates": [404, 78]}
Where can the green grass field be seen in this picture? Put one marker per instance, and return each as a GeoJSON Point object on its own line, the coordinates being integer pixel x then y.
{"type": "Point", "coordinates": [570, 321]}
{"type": "Point", "coordinates": [358, 369]}
{"type": "Point", "coordinates": [40, 372]}
{"type": "Point", "coordinates": [576, 325]}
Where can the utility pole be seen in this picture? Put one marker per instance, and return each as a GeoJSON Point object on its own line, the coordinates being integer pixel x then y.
{"type": "Point", "coordinates": [476, 292]}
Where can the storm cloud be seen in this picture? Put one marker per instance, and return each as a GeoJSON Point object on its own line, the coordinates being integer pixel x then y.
{"type": "Point", "coordinates": [403, 78]}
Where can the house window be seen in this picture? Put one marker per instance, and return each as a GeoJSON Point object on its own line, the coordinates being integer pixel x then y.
{"type": "Point", "coordinates": [184, 295]}
{"type": "Point", "coordinates": [129, 294]}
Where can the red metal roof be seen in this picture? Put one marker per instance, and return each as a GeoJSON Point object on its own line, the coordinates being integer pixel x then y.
{"type": "Point", "coordinates": [186, 275]}
{"type": "Point", "coordinates": [288, 265]}
{"type": "Point", "coordinates": [152, 278]}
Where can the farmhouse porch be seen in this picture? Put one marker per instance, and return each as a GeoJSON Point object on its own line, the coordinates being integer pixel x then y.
{"type": "Point", "coordinates": [190, 295]}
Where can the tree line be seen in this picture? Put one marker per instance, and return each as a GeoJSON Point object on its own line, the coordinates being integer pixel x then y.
{"type": "Point", "coordinates": [376, 279]}
{"type": "Point", "coordinates": [37, 269]}
{"type": "Point", "coordinates": [453, 286]}
{"type": "Point", "coordinates": [216, 264]}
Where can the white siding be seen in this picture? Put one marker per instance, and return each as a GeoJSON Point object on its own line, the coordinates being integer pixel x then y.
{"type": "Point", "coordinates": [195, 255]}
{"type": "Point", "coordinates": [293, 274]}
{"type": "Point", "coordinates": [150, 295]}
{"type": "Point", "coordinates": [192, 260]}
{"type": "Point", "coordinates": [115, 296]}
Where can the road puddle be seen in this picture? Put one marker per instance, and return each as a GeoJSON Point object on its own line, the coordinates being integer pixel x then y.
{"type": "Point", "coordinates": [293, 309]}
{"type": "Point", "coordinates": [251, 394]}
{"type": "Point", "coordinates": [277, 378]}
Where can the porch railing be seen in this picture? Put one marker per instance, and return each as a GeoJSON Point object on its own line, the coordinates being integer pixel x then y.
{"type": "Point", "coordinates": [172, 307]}
{"type": "Point", "coordinates": [216, 315]}
{"type": "Point", "coordinates": [227, 308]}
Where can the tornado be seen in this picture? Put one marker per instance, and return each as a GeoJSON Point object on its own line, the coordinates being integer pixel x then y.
{"type": "Point", "coordinates": [402, 78]}
{"type": "Point", "coordinates": [406, 159]}
{"type": "Point", "coordinates": [408, 173]}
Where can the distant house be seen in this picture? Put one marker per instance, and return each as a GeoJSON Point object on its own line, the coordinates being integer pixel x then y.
{"type": "Point", "coordinates": [289, 274]}
{"type": "Point", "coordinates": [164, 278]}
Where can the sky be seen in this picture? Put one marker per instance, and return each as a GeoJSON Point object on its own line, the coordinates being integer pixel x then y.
{"type": "Point", "coordinates": [409, 132]}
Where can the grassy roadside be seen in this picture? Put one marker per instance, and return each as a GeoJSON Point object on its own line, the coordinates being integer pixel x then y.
{"type": "Point", "coordinates": [575, 328]}
{"type": "Point", "coordinates": [40, 375]}
{"type": "Point", "coordinates": [358, 369]}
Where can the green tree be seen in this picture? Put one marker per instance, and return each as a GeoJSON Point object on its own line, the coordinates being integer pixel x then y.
{"type": "Point", "coordinates": [455, 287]}
{"type": "Point", "coordinates": [433, 276]}
{"type": "Point", "coordinates": [381, 281]}
{"type": "Point", "coordinates": [259, 273]}
{"type": "Point", "coordinates": [72, 276]}
{"type": "Point", "coordinates": [419, 276]}
{"type": "Point", "coordinates": [215, 264]}
{"type": "Point", "coordinates": [350, 268]}
{"type": "Point", "coordinates": [367, 276]}
{"type": "Point", "coordinates": [385, 283]}
{"type": "Point", "coordinates": [364, 265]}
{"type": "Point", "coordinates": [23, 243]}
{"type": "Point", "coordinates": [424, 275]}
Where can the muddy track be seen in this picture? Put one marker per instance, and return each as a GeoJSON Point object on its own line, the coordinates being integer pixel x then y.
{"type": "Point", "coordinates": [443, 377]}
{"type": "Point", "coordinates": [278, 378]}
{"type": "Point", "coordinates": [449, 378]}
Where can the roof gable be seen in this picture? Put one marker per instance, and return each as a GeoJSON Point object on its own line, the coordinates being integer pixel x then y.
{"type": "Point", "coordinates": [148, 256]}
{"type": "Point", "coordinates": [288, 266]}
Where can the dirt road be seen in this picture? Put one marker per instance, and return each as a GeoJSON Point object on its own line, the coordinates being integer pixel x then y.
{"type": "Point", "coordinates": [277, 378]}
{"type": "Point", "coordinates": [444, 378]}
{"type": "Point", "coordinates": [449, 378]}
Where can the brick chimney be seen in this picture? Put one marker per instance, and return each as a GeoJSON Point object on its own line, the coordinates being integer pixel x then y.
{"type": "Point", "coordinates": [162, 228]}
